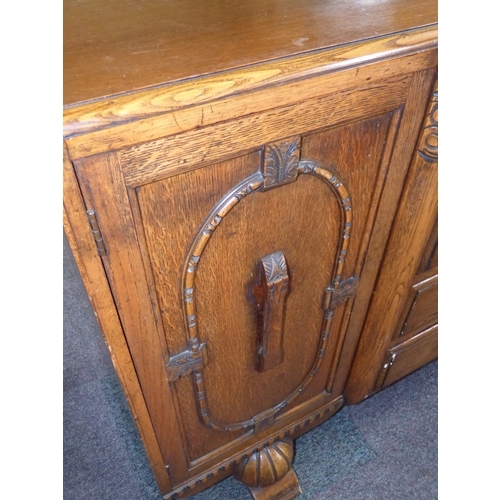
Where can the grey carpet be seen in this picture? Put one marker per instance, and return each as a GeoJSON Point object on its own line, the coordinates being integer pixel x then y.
{"type": "Point", "coordinates": [384, 447]}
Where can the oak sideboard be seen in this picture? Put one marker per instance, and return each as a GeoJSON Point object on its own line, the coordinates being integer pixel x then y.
{"type": "Point", "coordinates": [250, 193]}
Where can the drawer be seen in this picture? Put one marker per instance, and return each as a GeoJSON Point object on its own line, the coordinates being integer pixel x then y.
{"type": "Point", "coordinates": [408, 356]}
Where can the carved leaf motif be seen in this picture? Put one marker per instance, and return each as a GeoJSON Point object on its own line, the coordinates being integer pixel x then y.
{"type": "Point", "coordinates": [281, 163]}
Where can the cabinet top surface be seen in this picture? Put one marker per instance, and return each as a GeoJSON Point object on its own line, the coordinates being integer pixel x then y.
{"type": "Point", "coordinates": [119, 46]}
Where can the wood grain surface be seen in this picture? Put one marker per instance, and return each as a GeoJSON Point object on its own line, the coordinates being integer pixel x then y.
{"type": "Point", "coordinates": [120, 46]}
{"type": "Point", "coordinates": [169, 106]}
{"type": "Point", "coordinates": [94, 278]}
{"type": "Point", "coordinates": [212, 139]}
{"type": "Point", "coordinates": [104, 191]}
{"type": "Point", "coordinates": [257, 226]}
{"type": "Point", "coordinates": [408, 356]}
{"type": "Point", "coordinates": [413, 228]}
{"type": "Point", "coordinates": [400, 159]}
{"type": "Point", "coordinates": [202, 146]}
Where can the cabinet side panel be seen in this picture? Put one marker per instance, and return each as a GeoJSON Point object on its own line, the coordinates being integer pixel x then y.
{"type": "Point", "coordinates": [104, 191]}
{"type": "Point", "coordinates": [89, 264]}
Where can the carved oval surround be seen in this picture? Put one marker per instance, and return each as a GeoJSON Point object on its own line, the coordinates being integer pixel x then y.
{"type": "Point", "coordinates": [281, 166]}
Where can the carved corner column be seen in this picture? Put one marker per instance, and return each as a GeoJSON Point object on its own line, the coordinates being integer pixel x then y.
{"type": "Point", "coordinates": [269, 474]}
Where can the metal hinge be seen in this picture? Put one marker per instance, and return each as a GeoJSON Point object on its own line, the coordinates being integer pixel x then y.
{"type": "Point", "coordinates": [346, 290]}
{"type": "Point", "coordinates": [185, 362]}
{"type": "Point", "coordinates": [96, 231]}
{"type": "Point", "coordinates": [167, 467]}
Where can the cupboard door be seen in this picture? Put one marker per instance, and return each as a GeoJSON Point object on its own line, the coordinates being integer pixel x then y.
{"type": "Point", "coordinates": [235, 270]}
{"type": "Point", "coordinates": [268, 254]}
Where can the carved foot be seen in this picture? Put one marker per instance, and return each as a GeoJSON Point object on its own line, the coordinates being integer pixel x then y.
{"type": "Point", "coordinates": [268, 473]}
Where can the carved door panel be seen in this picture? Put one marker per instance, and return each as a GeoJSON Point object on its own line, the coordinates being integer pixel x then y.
{"type": "Point", "coordinates": [235, 282]}
{"type": "Point", "coordinates": [267, 249]}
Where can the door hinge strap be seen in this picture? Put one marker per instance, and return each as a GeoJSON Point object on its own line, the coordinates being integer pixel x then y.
{"type": "Point", "coordinates": [346, 290]}
{"type": "Point", "coordinates": [186, 362]}
{"type": "Point", "coordinates": [96, 231]}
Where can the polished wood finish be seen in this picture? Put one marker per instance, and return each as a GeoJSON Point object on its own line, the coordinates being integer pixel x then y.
{"type": "Point", "coordinates": [126, 120]}
{"type": "Point", "coordinates": [233, 211]}
{"type": "Point", "coordinates": [266, 466]}
{"type": "Point", "coordinates": [404, 304]}
{"type": "Point", "coordinates": [122, 46]}
{"type": "Point", "coordinates": [421, 309]}
{"type": "Point", "coordinates": [429, 260]}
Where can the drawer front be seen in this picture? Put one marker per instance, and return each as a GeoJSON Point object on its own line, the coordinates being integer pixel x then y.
{"type": "Point", "coordinates": [408, 356]}
{"type": "Point", "coordinates": [236, 253]}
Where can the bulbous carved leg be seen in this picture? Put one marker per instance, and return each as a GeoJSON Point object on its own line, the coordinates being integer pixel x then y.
{"type": "Point", "coordinates": [269, 474]}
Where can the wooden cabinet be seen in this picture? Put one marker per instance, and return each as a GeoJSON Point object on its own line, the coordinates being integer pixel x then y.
{"type": "Point", "coordinates": [235, 226]}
